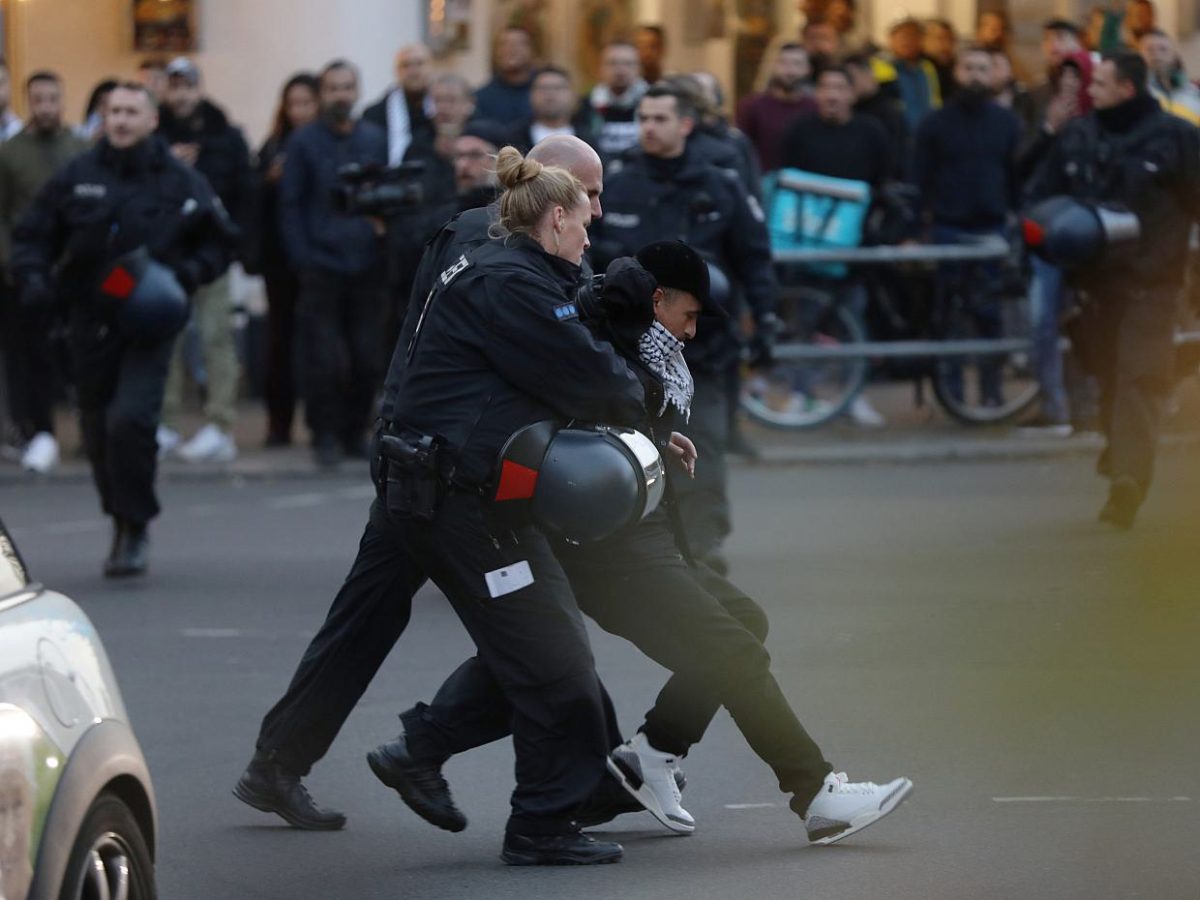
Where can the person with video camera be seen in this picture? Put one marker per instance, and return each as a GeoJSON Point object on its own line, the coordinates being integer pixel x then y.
{"type": "Point", "coordinates": [123, 234]}
{"type": "Point", "coordinates": [1128, 154]}
{"type": "Point", "coordinates": [340, 260]}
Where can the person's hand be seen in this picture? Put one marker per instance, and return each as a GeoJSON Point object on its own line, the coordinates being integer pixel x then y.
{"type": "Point", "coordinates": [762, 342]}
{"type": "Point", "coordinates": [683, 451]}
{"type": "Point", "coordinates": [1062, 108]}
{"type": "Point", "coordinates": [380, 225]}
{"type": "Point", "coordinates": [628, 295]}
{"type": "Point", "coordinates": [275, 170]}
{"type": "Point", "coordinates": [186, 153]}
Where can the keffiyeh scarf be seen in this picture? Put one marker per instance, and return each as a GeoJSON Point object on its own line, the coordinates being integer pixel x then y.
{"type": "Point", "coordinates": [663, 355]}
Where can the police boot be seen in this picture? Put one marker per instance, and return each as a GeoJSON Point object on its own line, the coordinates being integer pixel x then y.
{"type": "Point", "coordinates": [268, 786]}
{"type": "Point", "coordinates": [130, 548]}
{"type": "Point", "coordinates": [419, 784]}
{"type": "Point", "coordinates": [1124, 498]}
{"type": "Point", "coordinates": [571, 849]}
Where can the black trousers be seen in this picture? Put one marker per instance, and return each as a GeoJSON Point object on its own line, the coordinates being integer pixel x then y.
{"type": "Point", "coordinates": [533, 641]}
{"type": "Point", "coordinates": [704, 500]}
{"type": "Point", "coordinates": [120, 391]}
{"type": "Point", "coordinates": [29, 364]}
{"type": "Point", "coordinates": [688, 619]}
{"type": "Point", "coordinates": [339, 327]}
{"type": "Point", "coordinates": [1136, 359]}
{"type": "Point", "coordinates": [283, 291]}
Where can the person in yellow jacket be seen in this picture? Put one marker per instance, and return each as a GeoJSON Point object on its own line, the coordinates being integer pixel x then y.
{"type": "Point", "coordinates": [1169, 82]}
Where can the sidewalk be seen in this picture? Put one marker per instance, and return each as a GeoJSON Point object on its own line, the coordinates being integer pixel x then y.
{"type": "Point", "coordinates": [912, 436]}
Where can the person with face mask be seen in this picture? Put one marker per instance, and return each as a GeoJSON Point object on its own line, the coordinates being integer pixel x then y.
{"type": "Point", "coordinates": [340, 261]}
{"type": "Point", "coordinates": [965, 165]}
{"type": "Point", "coordinates": [27, 161]}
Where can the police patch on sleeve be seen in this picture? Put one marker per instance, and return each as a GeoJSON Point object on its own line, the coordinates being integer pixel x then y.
{"type": "Point", "coordinates": [565, 311]}
{"type": "Point", "coordinates": [451, 273]}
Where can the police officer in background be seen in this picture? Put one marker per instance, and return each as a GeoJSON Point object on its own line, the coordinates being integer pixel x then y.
{"type": "Point", "coordinates": [667, 190]}
{"type": "Point", "coordinates": [126, 195]}
{"type": "Point", "coordinates": [1130, 153]}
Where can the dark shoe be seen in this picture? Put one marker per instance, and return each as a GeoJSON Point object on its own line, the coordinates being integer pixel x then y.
{"type": "Point", "coordinates": [327, 451]}
{"type": "Point", "coordinates": [269, 787]}
{"type": "Point", "coordinates": [610, 800]}
{"type": "Point", "coordinates": [1124, 499]}
{"type": "Point", "coordinates": [420, 785]}
{"type": "Point", "coordinates": [572, 849]}
{"type": "Point", "coordinates": [277, 439]}
{"type": "Point", "coordinates": [128, 556]}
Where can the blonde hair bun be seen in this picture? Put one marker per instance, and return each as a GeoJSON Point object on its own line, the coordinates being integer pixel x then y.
{"type": "Point", "coordinates": [512, 169]}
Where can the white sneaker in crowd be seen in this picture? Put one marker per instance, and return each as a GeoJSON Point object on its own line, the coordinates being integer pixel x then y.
{"type": "Point", "coordinates": [862, 413]}
{"type": "Point", "coordinates": [168, 439]}
{"type": "Point", "coordinates": [649, 775]}
{"type": "Point", "coordinates": [41, 453]}
{"type": "Point", "coordinates": [210, 444]}
{"type": "Point", "coordinates": [843, 807]}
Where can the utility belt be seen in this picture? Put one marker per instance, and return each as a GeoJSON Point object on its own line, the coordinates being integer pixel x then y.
{"type": "Point", "coordinates": [415, 472]}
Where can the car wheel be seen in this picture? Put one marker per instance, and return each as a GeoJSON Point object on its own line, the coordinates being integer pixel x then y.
{"type": "Point", "coordinates": [109, 860]}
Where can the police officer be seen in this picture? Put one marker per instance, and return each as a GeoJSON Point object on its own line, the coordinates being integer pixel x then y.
{"type": "Point", "coordinates": [665, 190]}
{"type": "Point", "coordinates": [641, 585]}
{"type": "Point", "coordinates": [497, 348]}
{"type": "Point", "coordinates": [1130, 153]}
{"type": "Point", "coordinates": [372, 608]}
{"type": "Point", "coordinates": [126, 195]}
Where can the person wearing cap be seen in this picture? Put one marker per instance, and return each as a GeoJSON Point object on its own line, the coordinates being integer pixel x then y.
{"type": "Point", "coordinates": [126, 194]}
{"type": "Point", "coordinates": [644, 584]}
{"type": "Point", "coordinates": [200, 135]}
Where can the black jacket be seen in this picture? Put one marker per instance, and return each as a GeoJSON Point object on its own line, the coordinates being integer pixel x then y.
{"type": "Point", "coordinates": [1140, 157]}
{"type": "Point", "coordinates": [498, 348]}
{"type": "Point", "coordinates": [419, 124]}
{"type": "Point", "coordinates": [224, 158]}
{"type": "Point", "coordinates": [107, 202]}
{"type": "Point", "coordinates": [647, 199]}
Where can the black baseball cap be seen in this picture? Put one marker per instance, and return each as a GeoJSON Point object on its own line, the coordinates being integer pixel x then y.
{"type": "Point", "coordinates": [676, 265]}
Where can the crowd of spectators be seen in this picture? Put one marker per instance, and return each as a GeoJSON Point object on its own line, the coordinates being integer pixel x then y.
{"type": "Point", "coordinates": [961, 122]}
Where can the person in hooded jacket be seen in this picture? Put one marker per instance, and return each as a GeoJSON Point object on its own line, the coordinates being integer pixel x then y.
{"type": "Point", "coordinates": [200, 135]}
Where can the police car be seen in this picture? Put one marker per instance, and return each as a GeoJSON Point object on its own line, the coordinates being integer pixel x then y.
{"type": "Point", "coordinates": [77, 813]}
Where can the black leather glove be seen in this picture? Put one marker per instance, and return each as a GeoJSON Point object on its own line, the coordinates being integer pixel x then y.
{"type": "Point", "coordinates": [35, 292]}
{"type": "Point", "coordinates": [761, 351]}
{"type": "Point", "coordinates": [628, 296]}
{"type": "Point", "coordinates": [185, 273]}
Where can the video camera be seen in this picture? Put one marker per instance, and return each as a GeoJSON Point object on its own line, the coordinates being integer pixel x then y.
{"type": "Point", "coordinates": [375, 190]}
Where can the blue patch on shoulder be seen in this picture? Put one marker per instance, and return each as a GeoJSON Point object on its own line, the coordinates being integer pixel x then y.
{"type": "Point", "coordinates": [565, 311]}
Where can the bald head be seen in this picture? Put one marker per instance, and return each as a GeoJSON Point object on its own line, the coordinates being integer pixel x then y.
{"type": "Point", "coordinates": [413, 69]}
{"type": "Point", "coordinates": [568, 152]}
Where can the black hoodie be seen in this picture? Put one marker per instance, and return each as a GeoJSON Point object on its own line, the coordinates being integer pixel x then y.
{"type": "Point", "coordinates": [224, 158]}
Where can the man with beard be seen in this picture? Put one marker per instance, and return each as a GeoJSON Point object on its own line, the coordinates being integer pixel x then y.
{"type": "Point", "coordinates": [965, 155]}
{"type": "Point", "coordinates": [339, 259]}
{"type": "Point", "coordinates": [765, 116]}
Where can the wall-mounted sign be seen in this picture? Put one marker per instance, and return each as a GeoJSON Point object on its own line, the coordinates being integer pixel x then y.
{"type": "Point", "coordinates": [164, 26]}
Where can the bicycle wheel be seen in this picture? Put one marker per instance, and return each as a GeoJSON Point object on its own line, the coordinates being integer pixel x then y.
{"type": "Point", "coordinates": [986, 389]}
{"type": "Point", "coordinates": [797, 393]}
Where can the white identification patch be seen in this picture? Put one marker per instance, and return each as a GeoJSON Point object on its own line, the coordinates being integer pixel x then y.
{"type": "Point", "coordinates": [622, 220]}
{"type": "Point", "coordinates": [450, 274]}
{"type": "Point", "coordinates": [91, 190]}
{"type": "Point", "coordinates": [509, 579]}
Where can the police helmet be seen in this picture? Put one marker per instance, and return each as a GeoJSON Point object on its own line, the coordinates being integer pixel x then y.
{"type": "Point", "coordinates": [1071, 233]}
{"type": "Point", "coordinates": [151, 305]}
{"type": "Point", "coordinates": [579, 484]}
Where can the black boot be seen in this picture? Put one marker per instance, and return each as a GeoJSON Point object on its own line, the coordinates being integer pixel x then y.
{"type": "Point", "coordinates": [608, 801]}
{"type": "Point", "coordinates": [128, 557]}
{"type": "Point", "coordinates": [269, 787]}
{"type": "Point", "coordinates": [420, 784]}
{"type": "Point", "coordinates": [1124, 499]}
{"type": "Point", "coordinates": [573, 849]}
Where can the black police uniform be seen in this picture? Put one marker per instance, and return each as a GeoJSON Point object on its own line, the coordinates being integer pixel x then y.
{"type": "Point", "coordinates": [648, 199]}
{"type": "Point", "coordinates": [99, 206]}
{"type": "Point", "coordinates": [641, 585]}
{"type": "Point", "coordinates": [1140, 157]}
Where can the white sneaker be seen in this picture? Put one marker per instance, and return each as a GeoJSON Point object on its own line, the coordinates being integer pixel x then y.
{"type": "Point", "coordinates": [649, 775]}
{"type": "Point", "coordinates": [41, 453]}
{"type": "Point", "coordinates": [168, 439]}
{"type": "Point", "coordinates": [843, 807]}
{"type": "Point", "coordinates": [862, 413]}
{"type": "Point", "coordinates": [210, 444]}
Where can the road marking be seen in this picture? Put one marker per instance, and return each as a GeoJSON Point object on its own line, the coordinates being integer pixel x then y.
{"type": "Point", "coordinates": [211, 632]}
{"type": "Point", "coordinates": [297, 501]}
{"type": "Point", "coordinates": [752, 805]}
{"type": "Point", "coordinates": [77, 527]}
{"type": "Point", "coordinates": [1092, 799]}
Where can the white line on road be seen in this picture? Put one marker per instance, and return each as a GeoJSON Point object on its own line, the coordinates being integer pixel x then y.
{"type": "Point", "coordinates": [1092, 799]}
{"type": "Point", "coordinates": [752, 805]}
{"type": "Point", "coordinates": [297, 501]}
{"type": "Point", "coordinates": [211, 632]}
{"type": "Point", "coordinates": [77, 527]}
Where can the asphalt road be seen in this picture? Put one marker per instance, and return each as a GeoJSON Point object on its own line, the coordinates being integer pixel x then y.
{"type": "Point", "coordinates": [970, 626]}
